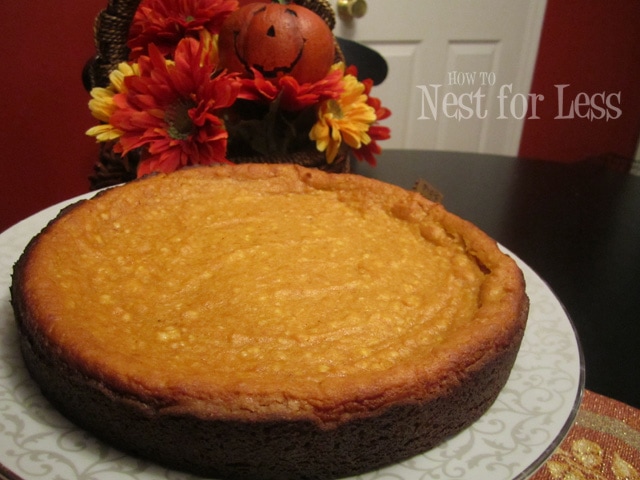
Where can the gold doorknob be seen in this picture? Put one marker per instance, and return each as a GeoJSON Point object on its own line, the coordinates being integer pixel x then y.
{"type": "Point", "coordinates": [349, 9]}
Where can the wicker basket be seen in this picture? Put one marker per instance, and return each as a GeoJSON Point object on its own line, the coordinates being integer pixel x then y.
{"type": "Point", "coordinates": [111, 32]}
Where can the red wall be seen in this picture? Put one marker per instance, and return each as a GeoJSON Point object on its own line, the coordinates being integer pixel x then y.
{"type": "Point", "coordinates": [594, 47]}
{"type": "Point", "coordinates": [45, 156]}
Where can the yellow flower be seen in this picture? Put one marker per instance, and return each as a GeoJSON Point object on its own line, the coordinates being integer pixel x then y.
{"type": "Point", "coordinates": [102, 105]}
{"type": "Point", "coordinates": [346, 118]}
{"type": "Point", "coordinates": [209, 42]}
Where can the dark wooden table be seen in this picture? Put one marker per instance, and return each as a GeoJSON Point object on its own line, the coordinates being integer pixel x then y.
{"type": "Point", "coordinates": [577, 225]}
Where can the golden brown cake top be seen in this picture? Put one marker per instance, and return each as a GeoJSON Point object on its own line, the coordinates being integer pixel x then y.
{"type": "Point", "coordinates": [270, 289]}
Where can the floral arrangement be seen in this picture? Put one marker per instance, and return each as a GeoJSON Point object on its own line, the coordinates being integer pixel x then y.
{"type": "Point", "coordinates": [181, 100]}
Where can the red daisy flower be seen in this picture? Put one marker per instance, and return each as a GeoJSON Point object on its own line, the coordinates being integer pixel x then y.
{"type": "Point", "coordinates": [170, 108]}
{"type": "Point", "coordinates": [376, 132]}
{"type": "Point", "coordinates": [165, 22]}
{"type": "Point", "coordinates": [293, 96]}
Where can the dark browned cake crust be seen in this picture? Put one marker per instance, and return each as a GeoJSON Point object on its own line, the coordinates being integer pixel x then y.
{"type": "Point", "coordinates": [288, 429]}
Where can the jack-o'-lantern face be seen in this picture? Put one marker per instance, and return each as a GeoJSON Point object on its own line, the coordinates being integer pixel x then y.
{"type": "Point", "coordinates": [277, 40]}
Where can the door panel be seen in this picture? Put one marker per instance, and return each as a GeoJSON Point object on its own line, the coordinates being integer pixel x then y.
{"type": "Point", "coordinates": [428, 45]}
{"type": "Point", "coordinates": [401, 58]}
{"type": "Point", "coordinates": [466, 65]}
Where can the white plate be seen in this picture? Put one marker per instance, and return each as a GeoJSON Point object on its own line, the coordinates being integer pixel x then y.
{"type": "Point", "coordinates": [512, 440]}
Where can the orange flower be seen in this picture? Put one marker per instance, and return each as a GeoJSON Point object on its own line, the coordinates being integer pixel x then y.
{"type": "Point", "coordinates": [171, 108]}
{"type": "Point", "coordinates": [292, 95]}
{"type": "Point", "coordinates": [165, 22]}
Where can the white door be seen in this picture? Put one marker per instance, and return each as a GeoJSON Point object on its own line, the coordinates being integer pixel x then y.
{"type": "Point", "coordinates": [459, 70]}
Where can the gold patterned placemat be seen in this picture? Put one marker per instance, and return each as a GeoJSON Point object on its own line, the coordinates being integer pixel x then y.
{"type": "Point", "coordinates": [603, 444]}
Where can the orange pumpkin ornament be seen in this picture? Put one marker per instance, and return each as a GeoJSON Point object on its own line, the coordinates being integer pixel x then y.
{"type": "Point", "coordinates": [277, 39]}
